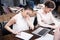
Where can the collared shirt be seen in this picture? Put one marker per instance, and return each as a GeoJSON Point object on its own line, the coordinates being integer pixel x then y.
{"type": "Point", "coordinates": [46, 19]}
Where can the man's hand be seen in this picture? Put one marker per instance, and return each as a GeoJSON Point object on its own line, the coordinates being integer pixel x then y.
{"type": "Point", "coordinates": [54, 26]}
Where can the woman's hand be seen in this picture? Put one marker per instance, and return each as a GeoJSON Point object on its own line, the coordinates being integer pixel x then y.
{"type": "Point", "coordinates": [16, 32]}
{"type": "Point", "coordinates": [32, 28]}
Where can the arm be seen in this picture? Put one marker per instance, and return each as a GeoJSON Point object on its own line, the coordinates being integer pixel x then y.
{"type": "Point", "coordinates": [42, 23]}
{"type": "Point", "coordinates": [7, 26]}
{"type": "Point", "coordinates": [29, 22]}
{"type": "Point", "coordinates": [54, 20]}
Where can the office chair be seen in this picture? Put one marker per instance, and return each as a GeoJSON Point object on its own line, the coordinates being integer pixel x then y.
{"type": "Point", "coordinates": [0, 25]}
{"type": "Point", "coordinates": [4, 31]}
{"type": "Point", "coordinates": [35, 21]}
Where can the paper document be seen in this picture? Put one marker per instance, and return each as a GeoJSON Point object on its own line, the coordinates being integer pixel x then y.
{"type": "Point", "coordinates": [24, 35]}
{"type": "Point", "coordinates": [46, 37]}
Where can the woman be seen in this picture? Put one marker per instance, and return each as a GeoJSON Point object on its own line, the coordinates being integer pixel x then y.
{"type": "Point", "coordinates": [21, 21]}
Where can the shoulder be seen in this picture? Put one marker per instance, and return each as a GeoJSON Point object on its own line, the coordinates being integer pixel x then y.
{"type": "Point", "coordinates": [40, 11]}
{"type": "Point", "coordinates": [50, 13]}
{"type": "Point", "coordinates": [16, 16]}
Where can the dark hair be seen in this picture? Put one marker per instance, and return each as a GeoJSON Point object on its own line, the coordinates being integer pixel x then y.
{"type": "Point", "coordinates": [28, 7]}
{"type": "Point", "coordinates": [21, 6]}
{"type": "Point", "coordinates": [50, 4]}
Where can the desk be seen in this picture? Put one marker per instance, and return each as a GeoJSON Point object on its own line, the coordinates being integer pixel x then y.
{"type": "Point", "coordinates": [12, 36]}
{"type": "Point", "coordinates": [0, 35]}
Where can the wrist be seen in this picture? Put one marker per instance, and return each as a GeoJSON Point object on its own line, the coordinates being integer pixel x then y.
{"type": "Point", "coordinates": [12, 31]}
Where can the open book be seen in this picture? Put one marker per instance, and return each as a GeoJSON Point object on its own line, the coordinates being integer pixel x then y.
{"type": "Point", "coordinates": [24, 35]}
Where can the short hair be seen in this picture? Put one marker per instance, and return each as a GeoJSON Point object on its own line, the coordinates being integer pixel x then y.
{"type": "Point", "coordinates": [50, 4]}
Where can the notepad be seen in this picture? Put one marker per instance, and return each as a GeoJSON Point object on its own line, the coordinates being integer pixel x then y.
{"type": "Point", "coordinates": [24, 35]}
{"type": "Point", "coordinates": [46, 37]}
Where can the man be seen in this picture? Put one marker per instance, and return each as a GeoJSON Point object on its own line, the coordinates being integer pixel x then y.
{"type": "Point", "coordinates": [21, 21]}
{"type": "Point", "coordinates": [45, 16]}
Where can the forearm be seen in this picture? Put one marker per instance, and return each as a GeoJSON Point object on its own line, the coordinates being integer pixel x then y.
{"type": "Point", "coordinates": [30, 24]}
{"type": "Point", "coordinates": [9, 29]}
{"type": "Point", "coordinates": [54, 20]}
{"type": "Point", "coordinates": [46, 25]}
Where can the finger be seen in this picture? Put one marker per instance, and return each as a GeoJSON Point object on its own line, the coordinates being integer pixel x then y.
{"type": "Point", "coordinates": [32, 28]}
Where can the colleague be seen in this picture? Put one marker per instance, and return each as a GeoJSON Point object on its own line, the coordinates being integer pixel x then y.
{"type": "Point", "coordinates": [21, 21]}
{"type": "Point", "coordinates": [45, 16]}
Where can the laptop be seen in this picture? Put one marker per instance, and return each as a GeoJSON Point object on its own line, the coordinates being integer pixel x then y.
{"type": "Point", "coordinates": [41, 31]}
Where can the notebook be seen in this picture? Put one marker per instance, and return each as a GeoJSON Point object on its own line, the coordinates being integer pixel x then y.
{"type": "Point", "coordinates": [46, 37]}
{"type": "Point", "coordinates": [24, 35]}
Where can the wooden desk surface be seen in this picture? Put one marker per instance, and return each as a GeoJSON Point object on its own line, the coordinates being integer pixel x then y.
{"type": "Point", "coordinates": [12, 36]}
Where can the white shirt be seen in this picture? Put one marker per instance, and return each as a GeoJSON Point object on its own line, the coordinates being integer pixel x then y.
{"type": "Point", "coordinates": [46, 19]}
{"type": "Point", "coordinates": [21, 24]}
{"type": "Point", "coordinates": [38, 7]}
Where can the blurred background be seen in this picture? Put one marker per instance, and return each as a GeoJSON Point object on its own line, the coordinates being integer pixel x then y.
{"type": "Point", "coordinates": [8, 8]}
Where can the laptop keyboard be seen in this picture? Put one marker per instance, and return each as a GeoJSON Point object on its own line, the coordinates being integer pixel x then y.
{"type": "Point", "coordinates": [43, 32]}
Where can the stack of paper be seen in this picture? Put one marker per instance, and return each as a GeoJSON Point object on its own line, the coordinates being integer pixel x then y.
{"type": "Point", "coordinates": [46, 37]}
{"type": "Point", "coordinates": [24, 35]}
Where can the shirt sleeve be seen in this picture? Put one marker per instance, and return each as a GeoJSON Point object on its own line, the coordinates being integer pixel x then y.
{"type": "Point", "coordinates": [54, 20]}
{"type": "Point", "coordinates": [40, 21]}
{"type": "Point", "coordinates": [16, 16]}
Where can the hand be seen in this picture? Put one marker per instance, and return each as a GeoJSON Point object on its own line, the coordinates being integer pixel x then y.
{"type": "Point", "coordinates": [32, 28]}
{"type": "Point", "coordinates": [54, 27]}
{"type": "Point", "coordinates": [15, 32]}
